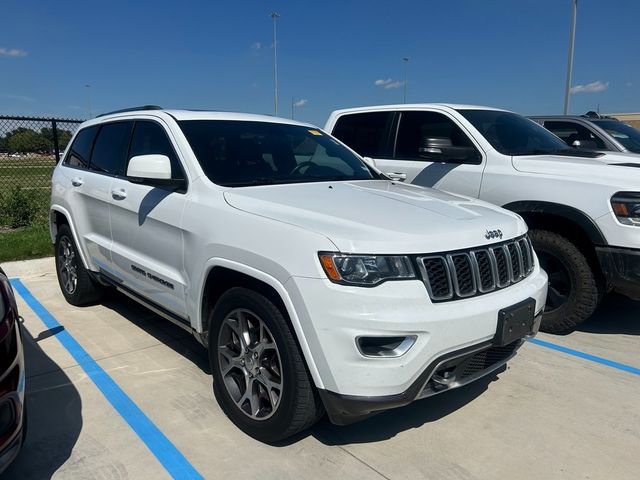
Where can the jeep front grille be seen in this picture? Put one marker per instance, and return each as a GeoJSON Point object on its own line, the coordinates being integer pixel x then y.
{"type": "Point", "coordinates": [472, 272]}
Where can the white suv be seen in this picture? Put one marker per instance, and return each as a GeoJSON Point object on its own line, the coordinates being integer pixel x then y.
{"type": "Point", "coordinates": [315, 283]}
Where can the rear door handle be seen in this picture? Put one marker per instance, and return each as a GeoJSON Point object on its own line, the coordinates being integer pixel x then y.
{"type": "Point", "coordinates": [119, 194]}
{"type": "Point", "coordinates": [396, 176]}
{"type": "Point", "coordinates": [76, 181]}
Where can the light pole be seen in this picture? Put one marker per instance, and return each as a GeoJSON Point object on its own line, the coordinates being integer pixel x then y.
{"type": "Point", "coordinates": [405, 60]}
{"type": "Point", "coordinates": [88, 87]}
{"type": "Point", "coordinates": [572, 40]}
{"type": "Point", "coordinates": [274, 16]}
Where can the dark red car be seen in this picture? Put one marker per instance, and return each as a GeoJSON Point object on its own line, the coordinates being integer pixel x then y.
{"type": "Point", "coordinates": [12, 377]}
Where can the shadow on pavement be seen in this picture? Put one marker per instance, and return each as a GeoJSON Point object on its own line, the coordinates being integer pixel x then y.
{"type": "Point", "coordinates": [178, 339]}
{"type": "Point", "coordinates": [617, 314]}
{"type": "Point", "coordinates": [54, 415]}
{"type": "Point", "coordinates": [388, 424]}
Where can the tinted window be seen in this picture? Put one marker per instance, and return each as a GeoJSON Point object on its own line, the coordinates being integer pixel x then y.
{"type": "Point", "coordinates": [80, 150]}
{"type": "Point", "coordinates": [418, 130]}
{"type": "Point", "coordinates": [571, 132]}
{"type": "Point", "coordinates": [151, 138]}
{"type": "Point", "coordinates": [628, 136]}
{"type": "Point", "coordinates": [512, 134]}
{"type": "Point", "coordinates": [110, 149]}
{"type": "Point", "coordinates": [366, 133]}
{"type": "Point", "coordinates": [237, 153]}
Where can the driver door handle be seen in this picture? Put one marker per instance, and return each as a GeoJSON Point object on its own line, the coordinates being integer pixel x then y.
{"type": "Point", "coordinates": [397, 176]}
{"type": "Point", "coordinates": [119, 194]}
{"type": "Point", "coordinates": [76, 181]}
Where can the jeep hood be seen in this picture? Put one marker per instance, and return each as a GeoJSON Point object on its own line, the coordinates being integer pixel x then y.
{"type": "Point", "coordinates": [379, 216]}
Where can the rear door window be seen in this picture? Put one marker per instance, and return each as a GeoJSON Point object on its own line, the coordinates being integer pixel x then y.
{"type": "Point", "coordinates": [110, 149]}
{"type": "Point", "coordinates": [80, 151]}
{"type": "Point", "coordinates": [366, 133]}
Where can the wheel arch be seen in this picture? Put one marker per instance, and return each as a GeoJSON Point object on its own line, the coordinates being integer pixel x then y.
{"type": "Point", "coordinates": [567, 221]}
{"type": "Point", "coordinates": [222, 275]}
{"type": "Point", "coordinates": [60, 216]}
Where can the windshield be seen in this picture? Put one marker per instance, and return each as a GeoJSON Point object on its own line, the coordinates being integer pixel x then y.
{"type": "Point", "coordinates": [238, 153]}
{"type": "Point", "coordinates": [628, 136]}
{"type": "Point", "coordinates": [512, 134]}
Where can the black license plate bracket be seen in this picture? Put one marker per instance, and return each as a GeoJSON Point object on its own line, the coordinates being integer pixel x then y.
{"type": "Point", "coordinates": [515, 322]}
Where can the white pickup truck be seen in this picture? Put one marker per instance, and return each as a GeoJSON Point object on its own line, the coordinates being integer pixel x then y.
{"type": "Point", "coordinates": [582, 208]}
{"type": "Point", "coordinates": [315, 282]}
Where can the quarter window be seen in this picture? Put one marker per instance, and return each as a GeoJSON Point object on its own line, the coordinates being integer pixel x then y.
{"type": "Point", "coordinates": [110, 149]}
{"type": "Point", "coordinates": [150, 138]}
{"type": "Point", "coordinates": [80, 150]}
{"type": "Point", "coordinates": [366, 133]}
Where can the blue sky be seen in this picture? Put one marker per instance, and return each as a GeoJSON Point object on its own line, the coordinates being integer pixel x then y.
{"type": "Point", "coordinates": [218, 55]}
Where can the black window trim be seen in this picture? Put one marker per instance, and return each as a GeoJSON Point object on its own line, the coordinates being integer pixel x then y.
{"type": "Point", "coordinates": [455, 122]}
{"type": "Point", "coordinates": [183, 189]}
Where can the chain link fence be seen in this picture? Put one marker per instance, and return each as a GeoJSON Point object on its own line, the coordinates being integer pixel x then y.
{"type": "Point", "coordinates": [29, 150]}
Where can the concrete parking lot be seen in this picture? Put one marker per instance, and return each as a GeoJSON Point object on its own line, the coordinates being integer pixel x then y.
{"type": "Point", "coordinates": [132, 398]}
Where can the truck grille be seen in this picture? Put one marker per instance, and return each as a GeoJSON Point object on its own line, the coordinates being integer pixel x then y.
{"type": "Point", "coordinates": [463, 274]}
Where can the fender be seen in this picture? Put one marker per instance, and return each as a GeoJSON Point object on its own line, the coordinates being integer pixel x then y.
{"type": "Point", "coordinates": [570, 213]}
{"type": "Point", "coordinates": [284, 295]}
{"type": "Point", "coordinates": [65, 212]}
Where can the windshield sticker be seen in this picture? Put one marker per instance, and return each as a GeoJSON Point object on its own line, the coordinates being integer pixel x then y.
{"type": "Point", "coordinates": [315, 132]}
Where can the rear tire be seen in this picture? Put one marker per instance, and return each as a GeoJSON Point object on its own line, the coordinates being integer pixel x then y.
{"type": "Point", "coordinates": [264, 359]}
{"type": "Point", "coordinates": [573, 286]}
{"type": "Point", "coordinates": [74, 279]}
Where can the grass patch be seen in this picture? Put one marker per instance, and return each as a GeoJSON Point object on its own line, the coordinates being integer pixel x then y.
{"type": "Point", "coordinates": [24, 243]}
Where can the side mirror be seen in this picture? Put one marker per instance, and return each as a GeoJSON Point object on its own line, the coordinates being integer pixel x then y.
{"type": "Point", "coordinates": [153, 168]}
{"type": "Point", "coordinates": [585, 144]}
{"type": "Point", "coordinates": [436, 149]}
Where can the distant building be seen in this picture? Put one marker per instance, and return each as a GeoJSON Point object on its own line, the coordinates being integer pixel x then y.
{"type": "Point", "coordinates": [632, 119]}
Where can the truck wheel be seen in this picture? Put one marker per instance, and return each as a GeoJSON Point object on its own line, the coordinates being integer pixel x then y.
{"type": "Point", "coordinates": [573, 289]}
{"type": "Point", "coordinates": [259, 376]}
{"type": "Point", "coordinates": [77, 286]}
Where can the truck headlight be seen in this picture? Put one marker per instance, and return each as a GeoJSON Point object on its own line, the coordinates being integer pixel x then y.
{"type": "Point", "coordinates": [626, 206]}
{"type": "Point", "coordinates": [366, 270]}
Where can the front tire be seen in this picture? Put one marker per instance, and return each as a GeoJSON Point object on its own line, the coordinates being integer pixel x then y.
{"type": "Point", "coordinates": [259, 376]}
{"type": "Point", "coordinates": [75, 282]}
{"type": "Point", "coordinates": [573, 288]}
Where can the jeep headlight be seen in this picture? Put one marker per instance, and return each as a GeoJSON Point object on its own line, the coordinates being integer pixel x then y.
{"type": "Point", "coordinates": [366, 270]}
{"type": "Point", "coordinates": [626, 207]}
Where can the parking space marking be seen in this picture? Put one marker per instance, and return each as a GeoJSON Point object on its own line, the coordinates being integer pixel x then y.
{"type": "Point", "coordinates": [586, 356]}
{"type": "Point", "coordinates": [160, 446]}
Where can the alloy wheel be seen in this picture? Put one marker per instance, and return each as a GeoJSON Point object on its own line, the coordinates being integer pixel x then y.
{"type": "Point", "coordinates": [67, 265]}
{"type": "Point", "coordinates": [250, 364]}
{"type": "Point", "coordinates": [560, 281]}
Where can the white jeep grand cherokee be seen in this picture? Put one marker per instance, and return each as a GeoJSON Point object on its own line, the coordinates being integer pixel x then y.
{"type": "Point", "coordinates": [315, 283]}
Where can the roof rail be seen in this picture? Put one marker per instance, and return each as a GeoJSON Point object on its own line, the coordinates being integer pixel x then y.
{"type": "Point", "coordinates": [132, 109]}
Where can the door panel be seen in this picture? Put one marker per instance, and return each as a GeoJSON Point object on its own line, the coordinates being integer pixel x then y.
{"type": "Point", "coordinates": [146, 225]}
{"type": "Point", "coordinates": [411, 154]}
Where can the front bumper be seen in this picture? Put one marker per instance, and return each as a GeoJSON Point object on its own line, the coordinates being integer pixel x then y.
{"type": "Point", "coordinates": [334, 316]}
{"type": "Point", "coordinates": [621, 268]}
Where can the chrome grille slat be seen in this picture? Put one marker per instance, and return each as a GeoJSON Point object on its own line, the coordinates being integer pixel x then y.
{"type": "Point", "coordinates": [468, 273]}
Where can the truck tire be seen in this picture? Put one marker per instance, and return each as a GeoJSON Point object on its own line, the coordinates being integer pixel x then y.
{"type": "Point", "coordinates": [75, 282]}
{"type": "Point", "coordinates": [573, 288]}
{"type": "Point", "coordinates": [260, 379]}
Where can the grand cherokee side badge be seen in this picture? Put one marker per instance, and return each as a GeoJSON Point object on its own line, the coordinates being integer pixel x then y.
{"type": "Point", "coordinates": [493, 234]}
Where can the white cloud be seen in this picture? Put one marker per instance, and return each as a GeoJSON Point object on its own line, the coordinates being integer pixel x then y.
{"type": "Point", "coordinates": [597, 86]}
{"type": "Point", "coordinates": [256, 46]}
{"type": "Point", "coordinates": [22, 98]}
{"type": "Point", "coordinates": [388, 83]}
{"type": "Point", "coordinates": [12, 52]}
{"type": "Point", "coordinates": [301, 103]}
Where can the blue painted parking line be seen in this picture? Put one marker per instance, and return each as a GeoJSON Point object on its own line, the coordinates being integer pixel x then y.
{"type": "Point", "coordinates": [160, 446]}
{"type": "Point", "coordinates": [586, 356]}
